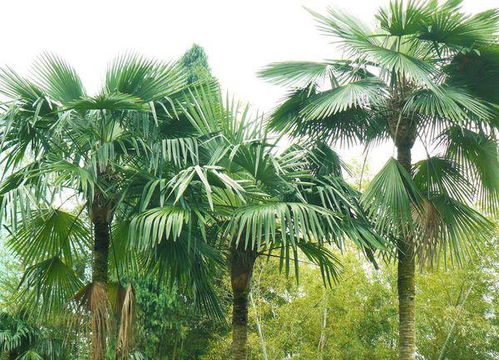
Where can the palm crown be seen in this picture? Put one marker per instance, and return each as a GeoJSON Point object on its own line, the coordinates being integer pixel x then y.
{"type": "Point", "coordinates": [399, 86]}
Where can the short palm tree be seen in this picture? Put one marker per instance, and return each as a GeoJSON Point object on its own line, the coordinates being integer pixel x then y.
{"type": "Point", "coordinates": [409, 80]}
{"type": "Point", "coordinates": [62, 148]}
{"type": "Point", "coordinates": [246, 200]}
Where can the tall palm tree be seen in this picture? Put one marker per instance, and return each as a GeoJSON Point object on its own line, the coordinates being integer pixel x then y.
{"type": "Point", "coordinates": [249, 201]}
{"type": "Point", "coordinates": [398, 82]}
{"type": "Point", "coordinates": [64, 148]}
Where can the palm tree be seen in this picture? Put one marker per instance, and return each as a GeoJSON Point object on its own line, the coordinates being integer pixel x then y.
{"type": "Point", "coordinates": [246, 200]}
{"type": "Point", "coordinates": [398, 82]}
{"type": "Point", "coordinates": [64, 148]}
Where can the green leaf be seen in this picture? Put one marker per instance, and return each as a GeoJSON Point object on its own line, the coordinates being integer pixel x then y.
{"type": "Point", "coordinates": [148, 80]}
{"type": "Point", "coordinates": [50, 233]}
{"type": "Point", "coordinates": [357, 94]}
{"type": "Point", "coordinates": [437, 175]}
{"type": "Point", "coordinates": [391, 199]}
{"type": "Point", "coordinates": [296, 73]}
{"type": "Point", "coordinates": [58, 79]}
{"type": "Point", "coordinates": [257, 226]}
{"type": "Point", "coordinates": [110, 102]}
{"type": "Point", "coordinates": [450, 230]}
{"type": "Point", "coordinates": [47, 287]}
{"type": "Point", "coordinates": [148, 228]}
{"type": "Point", "coordinates": [476, 152]}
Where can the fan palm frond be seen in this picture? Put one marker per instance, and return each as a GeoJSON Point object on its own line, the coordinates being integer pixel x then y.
{"type": "Point", "coordinates": [357, 94]}
{"type": "Point", "coordinates": [450, 230]}
{"type": "Point", "coordinates": [297, 73]}
{"type": "Point", "coordinates": [391, 198]}
{"type": "Point", "coordinates": [58, 79]}
{"type": "Point", "coordinates": [47, 287]}
{"type": "Point", "coordinates": [148, 80]}
{"type": "Point", "coordinates": [50, 233]}
{"type": "Point", "coordinates": [476, 152]}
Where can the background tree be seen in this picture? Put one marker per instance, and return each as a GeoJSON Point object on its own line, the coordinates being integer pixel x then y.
{"type": "Point", "coordinates": [396, 84]}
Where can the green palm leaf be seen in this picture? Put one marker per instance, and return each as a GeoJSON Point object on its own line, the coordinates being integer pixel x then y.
{"type": "Point", "coordinates": [109, 102]}
{"type": "Point", "coordinates": [50, 233]}
{"type": "Point", "coordinates": [477, 154]}
{"type": "Point", "coordinates": [145, 79]}
{"type": "Point", "coordinates": [150, 227]}
{"type": "Point", "coordinates": [451, 230]}
{"type": "Point", "coordinates": [47, 287]}
{"type": "Point", "coordinates": [58, 79]}
{"type": "Point", "coordinates": [391, 199]}
{"type": "Point", "coordinates": [357, 94]}
{"type": "Point", "coordinates": [403, 18]}
{"type": "Point", "coordinates": [260, 225]}
{"type": "Point", "coordinates": [448, 103]}
{"type": "Point", "coordinates": [296, 73]}
{"type": "Point", "coordinates": [359, 41]}
{"type": "Point", "coordinates": [437, 175]}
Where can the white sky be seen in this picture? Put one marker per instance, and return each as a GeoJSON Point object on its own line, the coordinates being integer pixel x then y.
{"type": "Point", "coordinates": [239, 36]}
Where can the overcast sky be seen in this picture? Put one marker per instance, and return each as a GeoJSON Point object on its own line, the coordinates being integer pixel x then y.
{"type": "Point", "coordinates": [240, 37]}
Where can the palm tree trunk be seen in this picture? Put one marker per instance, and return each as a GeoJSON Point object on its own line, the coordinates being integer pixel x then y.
{"type": "Point", "coordinates": [406, 280]}
{"type": "Point", "coordinates": [101, 252]}
{"type": "Point", "coordinates": [101, 216]}
{"type": "Point", "coordinates": [242, 262]}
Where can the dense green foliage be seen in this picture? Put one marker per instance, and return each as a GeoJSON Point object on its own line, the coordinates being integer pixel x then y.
{"type": "Point", "coordinates": [361, 315]}
{"type": "Point", "coordinates": [160, 219]}
{"type": "Point", "coordinates": [169, 327]}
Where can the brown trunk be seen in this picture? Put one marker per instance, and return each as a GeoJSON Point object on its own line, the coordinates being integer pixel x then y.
{"type": "Point", "coordinates": [241, 267]}
{"type": "Point", "coordinates": [406, 280]}
{"type": "Point", "coordinates": [101, 217]}
{"type": "Point", "coordinates": [101, 252]}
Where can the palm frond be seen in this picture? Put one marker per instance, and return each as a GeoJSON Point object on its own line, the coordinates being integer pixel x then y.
{"type": "Point", "coordinates": [205, 176]}
{"type": "Point", "coordinates": [450, 230]}
{"type": "Point", "coordinates": [447, 103]}
{"type": "Point", "coordinates": [452, 28]}
{"type": "Point", "coordinates": [256, 226]}
{"type": "Point", "coordinates": [47, 287]}
{"type": "Point", "coordinates": [16, 87]}
{"type": "Point", "coordinates": [437, 175]}
{"type": "Point", "coordinates": [391, 199]}
{"type": "Point", "coordinates": [356, 38]}
{"type": "Point", "coordinates": [476, 152]}
{"type": "Point", "coordinates": [357, 94]}
{"type": "Point", "coordinates": [476, 71]}
{"type": "Point", "coordinates": [50, 233]}
{"type": "Point", "coordinates": [329, 265]}
{"type": "Point", "coordinates": [180, 151]}
{"type": "Point", "coordinates": [110, 102]}
{"type": "Point", "coordinates": [402, 18]}
{"type": "Point", "coordinates": [347, 126]}
{"type": "Point", "coordinates": [148, 80]}
{"type": "Point", "coordinates": [150, 227]}
{"type": "Point", "coordinates": [296, 73]}
{"type": "Point", "coordinates": [58, 79]}
{"type": "Point", "coordinates": [190, 264]}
